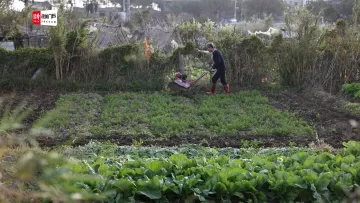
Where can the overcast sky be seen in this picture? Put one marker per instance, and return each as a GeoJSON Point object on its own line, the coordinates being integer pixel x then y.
{"type": "Point", "coordinates": [19, 5]}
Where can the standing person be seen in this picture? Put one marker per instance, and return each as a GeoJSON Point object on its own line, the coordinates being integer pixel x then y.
{"type": "Point", "coordinates": [219, 66]}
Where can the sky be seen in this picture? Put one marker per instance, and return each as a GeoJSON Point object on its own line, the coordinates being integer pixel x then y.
{"type": "Point", "coordinates": [19, 5]}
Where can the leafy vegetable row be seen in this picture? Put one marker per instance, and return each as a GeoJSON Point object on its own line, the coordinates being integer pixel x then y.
{"type": "Point", "coordinates": [178, 178]}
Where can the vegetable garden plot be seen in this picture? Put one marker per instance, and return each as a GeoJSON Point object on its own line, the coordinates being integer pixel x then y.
{"type": "Point", "coordinates": [160, 115]}
{"type": "Point", "coordinates": [293, 175]}
{"type": "Point", "coordinates": [74, 115]}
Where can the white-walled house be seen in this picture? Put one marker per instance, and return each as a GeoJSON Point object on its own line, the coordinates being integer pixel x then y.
{"type": "Point", "coordinates": [302, 3]}
{"type": "Point", "coordinates": [296, 3]}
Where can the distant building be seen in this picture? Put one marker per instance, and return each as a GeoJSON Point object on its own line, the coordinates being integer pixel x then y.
{"type": "Point", "coordinates": [336, 2]}
{"type": "Point", "coordinates": [101, 12]}
{"type": "Point", "coordinates": [41, 5]}
{"type": "Point", "coordinates": [302, 3]}
{"type": "Point", "coordinates": [309, 1]}
{"type": "Point", "coordinates": [296, 3]}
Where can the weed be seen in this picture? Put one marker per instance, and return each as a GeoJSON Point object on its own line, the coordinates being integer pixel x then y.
{"type": "Point", "coordinates": [137, 143]}
{"type": "Point", "coordinates": [292, 144]}
{"type": "Point", "coordinates": [250, 144]}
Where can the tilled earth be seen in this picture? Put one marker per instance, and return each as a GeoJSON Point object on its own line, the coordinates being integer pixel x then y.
{"type": "Point", "coordinates": [35, 101]}
{"type": "Point", "coordinates": [319, 110]}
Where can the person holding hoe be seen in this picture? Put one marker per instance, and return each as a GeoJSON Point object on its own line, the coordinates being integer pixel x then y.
{"type": "Point", "coordinates": [219, 67]}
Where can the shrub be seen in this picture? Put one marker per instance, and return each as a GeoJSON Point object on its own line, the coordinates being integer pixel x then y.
{"type": "Point", "coordinates": [352, 89]}
{"type": "Point", "coordinates": [24, 62]}
{"type": "Point", "coordinates": [117, 67]}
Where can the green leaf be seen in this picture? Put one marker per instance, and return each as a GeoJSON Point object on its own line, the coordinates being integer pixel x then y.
{"type": "Point", "coordinates": [316, 195]}
{"type": "Point", "coordinates": [353, 148]}
{"type": "Point", "coordinates": [220, 189]}
{"type": "Point", "coordinates": [151, 188]}
{"type": "Point", "coordinates": [159, 167]}
{"type": "Point", "coordinates": [91, 170]}
{"type": "Point", "coordinates": [348, 169]}
{"type": "Point", "coordinates": [309, 176]}
{"type": "Point", "coordinates": [201, 198]}
{"type": "Point", "coordinates": [222, 160]}
{"type": "Point", "coordinates": [348, 159]}
{"type": "Point", "coordinates": [181, 161]}
{"type": "Point", "coordinates": [319, 168]}
{"type": "Point", "coordinates": [323, 182]}
{"type": "Point", "coordinates": [169, 184]}
{"type": "Point", "coordinates": [345, 182]}
{"type": "Point", "coordinates": [324, 158]}
{"type": "Point", "coordinates": [300, 157]}
{"type": "Point", "coordinates": [302, 186]}
{"type": "Point", "coordinates": [239, 195]}
{"type": "Point", "coordinates": [125, 186]}
{"type": "Point", "coordinates": [96, 168]}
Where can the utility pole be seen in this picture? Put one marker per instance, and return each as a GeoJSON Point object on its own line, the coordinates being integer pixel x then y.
{"type": "Point", "coordinates": [235, 10]}
{"type": "Point", "coordinates": [128, 7]}
{"type": "Point", "coordinates": [164, 6]}
{"type": "Point", "coordinates": [241, 10]}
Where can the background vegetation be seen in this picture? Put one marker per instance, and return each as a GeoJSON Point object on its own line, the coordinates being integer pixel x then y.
{"type": "Point", "coordinates": [313, 56]}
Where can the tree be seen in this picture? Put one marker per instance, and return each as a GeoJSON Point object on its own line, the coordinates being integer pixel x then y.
{"type": "Point", "coordinates": [330, 14]}
{"type": "Point", "coordinates": [192, 7]}
{"type": "Point", "coordinates": [317, 7]}
{"type": "Point", "coordinates": [218, 10]}
{"type": "Point", "coordinates": [259, 8]}
{"type": "Point", "coordinates": [345, 8]}
{"type": "Point", "coordinates": [57, 40]}
{"type": "Point", "coordinates": [204, 9]}
{"type": "Point", "coordinates": [9, 21]}
{"type": "Point", "coordinates": [323, 8]}
{"type": "Point", "coordinates": [356, 12]}
{"type": "Point", "coordinates": [4, 5]}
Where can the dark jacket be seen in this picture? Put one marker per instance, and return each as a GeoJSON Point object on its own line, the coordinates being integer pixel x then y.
{"type": "Point", "coordinates": [219, 62]}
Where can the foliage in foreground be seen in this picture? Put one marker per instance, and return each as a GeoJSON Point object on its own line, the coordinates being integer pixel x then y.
{"type": "Point", "coordinates": [165, 115]}
{"type": "Point", "coordinates": [352, 89]}
{"type": "Point", "coordinates": [277, 176]}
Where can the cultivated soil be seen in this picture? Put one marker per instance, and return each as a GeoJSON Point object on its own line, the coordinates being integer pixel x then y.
{"type": "Point", "coordinates": [37, 102]}
{"type": "Point", "coordinates": [322, 111]}
{"type": "Point", "coordinates": [318, 109]}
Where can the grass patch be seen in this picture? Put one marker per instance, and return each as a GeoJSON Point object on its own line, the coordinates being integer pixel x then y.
{"type": "Point", "coordinates": [123, 114]}
{"type": "Point", "coordinates": [74, 114]}
{"type": "Point", "coordinates": [352, 107]}
{"type": "Point", "coordinates": [248, 113]}
{"type": "Point", "coordinates": [163, 115]}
